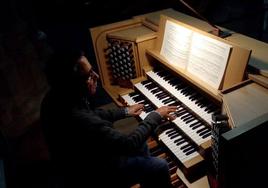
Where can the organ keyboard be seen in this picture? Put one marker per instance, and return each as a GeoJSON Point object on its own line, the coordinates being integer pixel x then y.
{"type": "Point", "coordinates": [180, 146]}
{"type": "Point", "coordinates": [185, 94]}
{"type": "Point", "coordinates": [178, 141]}
{"type": "Point", "coordinates": [190, 123]}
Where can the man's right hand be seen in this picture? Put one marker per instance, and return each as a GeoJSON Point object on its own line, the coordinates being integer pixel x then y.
{"type": "Point", "coordinates": [165, 111]}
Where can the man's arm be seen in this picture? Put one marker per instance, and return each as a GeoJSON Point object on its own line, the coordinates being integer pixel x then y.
{"type": "Point", "coordinates": [105, 136]}
{"type": "Point", "coordinates": [116, 114]}
{"type": "Point", "coordinates": [102, 132]}
{"type": "Point", "coordinates": [111, 114]}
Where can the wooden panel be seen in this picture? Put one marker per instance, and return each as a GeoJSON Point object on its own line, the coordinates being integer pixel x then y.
{"type": "Point", "coordinates": [135, 34]}
{"type": "Point", "coordinates": [154, 19]}
{"type": "Point", "coordinates": [129, 31]}
{"type": "Point", "coordinates": [262, 80]}
{"type": "Point", "coordinates": [235, 70]}
{"type": "Point", "coordinates": [200, 183]}
{"type": "Point", "coordinates": [142, 47]}
{"type": "Point", "coordinates": [246, 103]}
{"type": "Point", "coordinates": [259, 55]}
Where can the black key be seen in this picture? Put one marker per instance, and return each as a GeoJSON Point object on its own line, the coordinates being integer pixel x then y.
{"type": "Point", "coordinates": [132, 94]}
{"type": "Point", "coordinates": [196, 126]}
{"type": "Point", "coordinates": [181, 112]}
{"type": "Point", "coordinates": [155, 90]}
{"type": "Point", "coordinates": [190, 152]}
{"type": "Point", "coordinates": [145, 82]}
{"type": "Point", "coordinates": [188, 149]}
{"type": "Point", "coordinates": [164, 96]}
{"type": "Point", "coordinates": [198, 122]}
{"type": "Point", "coordinates": [190, 120]}
{"type": "Point", "coordinates": [175, 103]}
{"type": "Point", "coordinates": [174, 136]}
{"type": "Point", "coordinates": [206, 135]}
{"type": "Point", "coordinates": [179, 139]}
{"type": "Point", "coordinates": [167, 100]}
{"type": "Point", "coordinates": [185, 116]}
{"type": "Point", "coordinates": [169, 131]}
{"type": "Point", "coordinates": [201, 130]}
{"type": "Point", "coordinates": [204, 132]}
{"type": "Point", "coordinates": [185, 146]}
{"type": "Point", "coordinates": [180, 142]}
{"type": "Point", "coordinates": [173, 133]}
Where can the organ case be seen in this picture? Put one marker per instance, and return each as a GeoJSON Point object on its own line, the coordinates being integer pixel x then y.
{"type": "Point", "coordinates": [146, 41]}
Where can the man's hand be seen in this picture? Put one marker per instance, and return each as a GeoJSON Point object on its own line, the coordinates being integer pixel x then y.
{"type": "Point", "coordinates": [165, 111]}
{"type": "Point", "coordinates": [135, 109]}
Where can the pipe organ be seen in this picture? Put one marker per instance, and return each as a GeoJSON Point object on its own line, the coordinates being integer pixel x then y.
{"type": "Point", "coordinates": [134, 69]}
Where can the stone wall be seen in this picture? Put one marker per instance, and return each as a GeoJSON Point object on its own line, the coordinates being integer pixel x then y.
{"type": "Point", "coordinates": [22, 80]}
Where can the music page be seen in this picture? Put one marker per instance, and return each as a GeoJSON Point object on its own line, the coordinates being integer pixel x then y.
{"type": "Point", "coordinates": [208, 59]}
{"type": "Point", "coordinates": [176, 44]}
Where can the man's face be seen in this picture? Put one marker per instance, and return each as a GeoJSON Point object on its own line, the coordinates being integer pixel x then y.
{"type": "Point", "coordinates": [90, 76]}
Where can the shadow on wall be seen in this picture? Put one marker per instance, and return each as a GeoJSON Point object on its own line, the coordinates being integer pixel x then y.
{"type": "Point", "coordinates": [22, 80]}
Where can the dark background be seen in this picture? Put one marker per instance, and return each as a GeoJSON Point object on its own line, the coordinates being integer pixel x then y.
{"type": "Point", "coordinates": [30, 30]}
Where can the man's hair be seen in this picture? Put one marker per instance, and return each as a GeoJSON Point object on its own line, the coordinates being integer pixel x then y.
{"type": "Point", "coordinates": [62, 68]}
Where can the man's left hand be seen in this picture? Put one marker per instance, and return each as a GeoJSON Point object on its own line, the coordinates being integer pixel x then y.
{"type": "Point", "coordinates": [135, 109]}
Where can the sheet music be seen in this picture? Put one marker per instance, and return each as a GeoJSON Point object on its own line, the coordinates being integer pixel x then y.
{"type": "Point", "coordinates": [208, 59]}
{"type": "Point", "coordinates": [176, 44]}
{"type": "Point", "coordinates": [200, 55]}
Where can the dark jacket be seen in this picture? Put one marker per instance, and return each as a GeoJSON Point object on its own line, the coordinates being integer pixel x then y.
{"type": "Point", "coordinates": [82, 138]}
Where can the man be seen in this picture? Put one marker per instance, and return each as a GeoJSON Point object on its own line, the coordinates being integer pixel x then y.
{"type": "Point", "coordinates": [83, 144]}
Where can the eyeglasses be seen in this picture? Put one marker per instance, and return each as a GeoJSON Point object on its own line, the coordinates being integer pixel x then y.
{"type": "Point", "coordinates": [91, 75]}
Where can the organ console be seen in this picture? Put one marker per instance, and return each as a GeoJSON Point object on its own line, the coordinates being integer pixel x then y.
{"type": "Point", "coordinates": [134, 70]}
